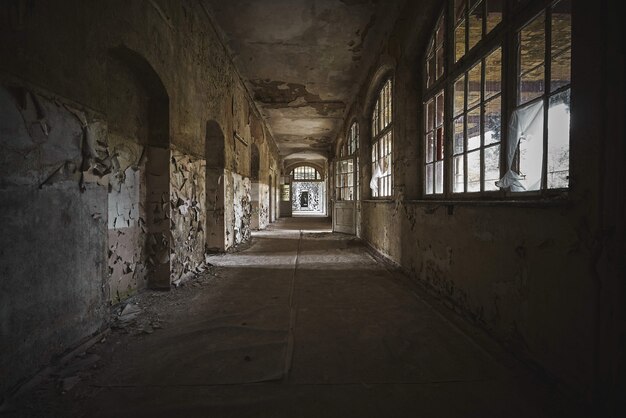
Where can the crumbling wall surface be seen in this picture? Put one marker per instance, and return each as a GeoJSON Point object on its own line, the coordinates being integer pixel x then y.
{"type": "Point", "coordinates": [126, 234]}
{"type": "Point", "coordinates": [239, 213]}
{"type": "Point", "coordinates": [264, 208]}
{"type": "Point", "coordinates": [113, 55]}
{"type": "Point", "coordinates": [242, 209]}
{"type": "Point", "coordinates": [188, 199]}
{"type": "Point", "coordinates": [53, 228]}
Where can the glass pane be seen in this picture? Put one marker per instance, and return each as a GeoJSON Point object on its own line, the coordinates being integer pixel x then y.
{"type": "Point", "coordinates": [561, 70]}
{"type": "Point", "coordinates": [530, 148]}
{"type": "Point", "coordinates": [441, 28]}
{"type": "Point", "coordinates": [440, 62]}
{"type": "Point", "coordinates": [440, 107]}
{"type": "Point", "coordinates": [473, 171]}
{"type": "Point", "coordinates": [561, 27]}
{"type": "Point", "coordinates": [494, 13]}
{"type": "Point", "coordinates": [459, 135]}
{"type": "Point", "coordinates": [430, 115]}
{"type": "Point", "coordinates": [558, 140]}
{"type": "Point", "coordinates": [459, 41]}
{"type": "Point", "coordinates": [459, 9]}
{"type": "Point", "coordinates": [493, 121]}
{"type": "Point", "coordinates": [439, 144]}
{"type": "Point", "coordinates": [430, 72]}
{"type": "Point", "coordinates": [459, 96]}
{"type": "Point", "coordinates": [431, 47]}
{"type": "Point", "coordinates": [532, 44]}
{"type": "Point", "coordinates": [492, 167]}
{"type": "Point", "coordinates": [531, 85]}
{"type": "Point", "coordinates": [475, 26]}
{"type": "Point", "coordinates": [439, 177]}
{"type": "Point", "coordinates": [493, 73]}
{"type": "Point", "coordinates": [473, 88]}
{"type": "Point", "coordinates": [429, 179]}
{"type": "Point", "coordinates": [473, 129]}
{"type": "Point", "coordinates": [459, 176]}
{"type": "Point", "coordinates": [430, 148]}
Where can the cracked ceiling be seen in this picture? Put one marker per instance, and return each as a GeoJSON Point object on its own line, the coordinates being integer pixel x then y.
{"type": "Point", "coordinates": [303, 61]}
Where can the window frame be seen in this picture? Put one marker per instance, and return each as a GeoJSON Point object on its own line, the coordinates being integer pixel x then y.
{"type": "Point", "coordinates": [504, 35]}
{"type": "Point", "coordinates": [317, 176]}
{"type": "Point", "coordinates": [378, 136]}
{"type": "Point", "coordinates": [349, 151]}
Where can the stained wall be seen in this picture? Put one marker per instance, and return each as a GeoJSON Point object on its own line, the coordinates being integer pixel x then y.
{"type": "Point", "coordinates": [120, 163]}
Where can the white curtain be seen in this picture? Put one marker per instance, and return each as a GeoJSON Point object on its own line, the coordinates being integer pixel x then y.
{"type": "Point", "coordinates": [525, 132]}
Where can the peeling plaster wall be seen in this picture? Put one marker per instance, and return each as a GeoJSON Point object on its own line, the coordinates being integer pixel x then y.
{"type": "Point", "coordinates": [188, 220]}
{"type": "Point", "coordinates": [80, 260]}
{"type": "Point", "coordinates": [242, 212]}
{"type": "Point", "coordinates": [53, 229]}
{"type": "Point", "coordinates": [525, 270]}
{"type": "Point", "coordinates": [126, 234]}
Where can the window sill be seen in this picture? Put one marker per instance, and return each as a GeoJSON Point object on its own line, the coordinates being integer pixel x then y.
{"type": "Point", "coordinates": [377, 200]}
{"type": "Point", "coordinates": [515, 202]}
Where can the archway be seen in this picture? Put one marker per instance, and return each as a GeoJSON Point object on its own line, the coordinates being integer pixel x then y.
{"type": "Point", "coordinates": [308, 191]}
{"type": "Point", "coordinates": [139, 202]}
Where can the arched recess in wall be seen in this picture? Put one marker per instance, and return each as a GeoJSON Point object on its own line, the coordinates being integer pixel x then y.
{"type": "Point", "coordinates": [139, 204]}
{"type": "Point", "coordinates": [255, 162]}
{"type": "Point", "coordinates": [215, 164]}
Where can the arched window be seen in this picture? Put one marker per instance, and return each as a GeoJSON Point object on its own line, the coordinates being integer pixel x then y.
{"type": "Point", "coordinates": [347, 167]}
{"type": "Point", "coordinates": [305, 172]}
{"type": "Point", "coordinates": [485, 158]}
{"type": "Point", "coordinates": [382, 143]}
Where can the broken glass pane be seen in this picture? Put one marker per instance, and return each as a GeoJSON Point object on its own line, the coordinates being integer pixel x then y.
{"type": "Point", "coordinates": [558, 140]}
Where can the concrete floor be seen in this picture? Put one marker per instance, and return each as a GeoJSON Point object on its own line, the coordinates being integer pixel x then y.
{"type": "Point", "coordinates": [303, 323]}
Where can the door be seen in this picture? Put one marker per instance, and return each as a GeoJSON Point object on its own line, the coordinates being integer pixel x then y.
{"type": "Point", "coordinates": [344, 204]}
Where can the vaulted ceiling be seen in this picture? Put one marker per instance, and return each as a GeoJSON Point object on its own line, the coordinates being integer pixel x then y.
{"type": "Point", "coordinates": [303, 61]}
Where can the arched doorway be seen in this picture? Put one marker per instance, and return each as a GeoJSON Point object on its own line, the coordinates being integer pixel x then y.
{"type": "Point", "coordinates": [308, 192]}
